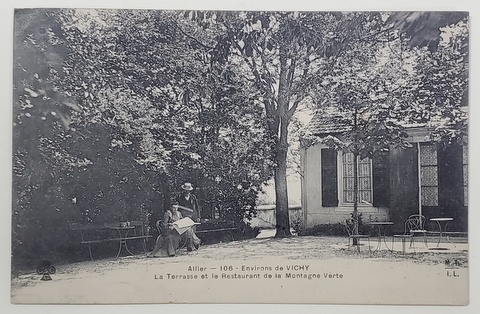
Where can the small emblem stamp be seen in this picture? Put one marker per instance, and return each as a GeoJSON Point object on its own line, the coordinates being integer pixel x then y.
{"type": "Point", "coordinates": [46, 269]}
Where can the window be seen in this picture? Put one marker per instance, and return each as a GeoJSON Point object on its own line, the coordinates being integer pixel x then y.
{"type": "Point", "coordinates": [429, 174]}
{"type": "Point", "coordinates": [364, 175]}
{"type": "Point", "coordinates": [465, 174]}
{"type": "Point", "coordinates": [337, 179]}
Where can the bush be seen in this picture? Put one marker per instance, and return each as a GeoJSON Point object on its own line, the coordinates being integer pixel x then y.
{"type": "Point", "coordinates": [336, 229]}
{"type": "Point", "coordinates": [243, 231]}
{"type": "Point", "coordinates": [248, 232]}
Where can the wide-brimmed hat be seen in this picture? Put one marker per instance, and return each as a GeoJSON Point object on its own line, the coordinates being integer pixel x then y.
{"type": "Point", "coordinates": [187, 186]}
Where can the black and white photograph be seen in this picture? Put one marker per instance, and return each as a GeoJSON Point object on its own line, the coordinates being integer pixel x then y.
{"type": "Point", "coordinates": [209, 156]}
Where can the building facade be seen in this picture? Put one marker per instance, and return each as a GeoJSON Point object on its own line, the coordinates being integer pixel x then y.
{"type": "Point", "coordinates": [427, 178]}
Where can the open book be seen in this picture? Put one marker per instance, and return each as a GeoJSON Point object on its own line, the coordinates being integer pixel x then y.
{"type": "Point", "coordinates": [183, 224]}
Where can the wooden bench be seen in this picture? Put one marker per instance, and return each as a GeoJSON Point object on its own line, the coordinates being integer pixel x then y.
{"type": "Point", "coordinates": [211, 231]}
{"type": "Point", "coordinates": [217, 230]}
{"type": "Point", "coordinates": [226, 234]}
{"type": "Point", "coordinates": [120, 232]}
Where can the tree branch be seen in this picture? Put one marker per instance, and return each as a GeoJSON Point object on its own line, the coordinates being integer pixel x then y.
{"type": "Point", "coordinates": [291, 72]}
{"type": "Point", "coordinates": [294, 107]}
{"type": "Point", "coordinates": [192, 38]}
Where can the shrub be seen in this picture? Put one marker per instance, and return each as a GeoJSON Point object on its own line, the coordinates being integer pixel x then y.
{"type": "Point", "coordinates": [336, 229]}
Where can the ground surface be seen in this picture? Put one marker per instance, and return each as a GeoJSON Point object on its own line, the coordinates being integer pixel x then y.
{"type": "Point", "coordinates": [279, 266]}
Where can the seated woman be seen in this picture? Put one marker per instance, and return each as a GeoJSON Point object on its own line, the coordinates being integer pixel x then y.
{"type": "Point", "coordinates": [169, 239]}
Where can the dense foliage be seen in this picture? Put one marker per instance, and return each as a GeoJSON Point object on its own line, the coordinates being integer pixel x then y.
{"type": "Point", "coordinates": [114, 109]}
{"type": "Point", "coordinates": [380, 87]}
{"type": "Point", "coordinates": [284, 56]}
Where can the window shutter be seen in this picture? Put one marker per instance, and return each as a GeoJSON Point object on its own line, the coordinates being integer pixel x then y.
{"type": "Point", "coordinates": [450, 180]}
{"type": "Point", "coordinates": [381, 179]}
{"type": "Point", "coordinates": [329, 177]}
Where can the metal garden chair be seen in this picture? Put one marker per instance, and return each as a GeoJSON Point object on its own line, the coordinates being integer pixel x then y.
{"type": "Point", "coordinates": [414, 226]}
{"type": "Point", "coordinates": [352, 229]}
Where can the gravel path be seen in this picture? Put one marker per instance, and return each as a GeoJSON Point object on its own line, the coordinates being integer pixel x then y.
{"type": "Point", "coordinates": [132, 279]}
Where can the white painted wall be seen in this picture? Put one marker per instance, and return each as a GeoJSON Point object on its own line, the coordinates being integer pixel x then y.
{"type": "Point", "coordinates": [314, 213]}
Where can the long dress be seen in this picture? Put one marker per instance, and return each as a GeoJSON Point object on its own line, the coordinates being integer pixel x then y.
{"type": "Point", "coordinates": [169, 240]}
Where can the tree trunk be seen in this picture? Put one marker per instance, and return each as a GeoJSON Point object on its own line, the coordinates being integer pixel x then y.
{"type": "Point", "coordinates": [281, 148]}
{"type": "Point", "coordinates": [281, 193]}
{"type": "Point", "coordinates": [355, 176]}
{"type": "Point", "coordinates": [355, 195]}
{"type": "Point", "coordinates": [281, 197]}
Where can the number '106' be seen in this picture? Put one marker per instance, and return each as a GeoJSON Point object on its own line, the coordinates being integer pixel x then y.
{"type": "Point", "coordinates": [226, 268]}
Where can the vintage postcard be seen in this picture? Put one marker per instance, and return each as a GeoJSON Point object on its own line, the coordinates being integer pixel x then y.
{"type": "Point", "coordinates": [228, 156]}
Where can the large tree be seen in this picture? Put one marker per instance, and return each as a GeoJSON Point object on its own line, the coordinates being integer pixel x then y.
{"type": "Point", "coordinates": [39, 111]}
{"type": "Point", "coordinates": [114, 104]}
{"type": "Point", "coordinates": [185, 110]}
{"type": "Point", "coordinates": [285, 54]}
{"type": "Point", "coordinates": [380, 88]}
{"type": "Point", "coordinates": [371, 91]}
